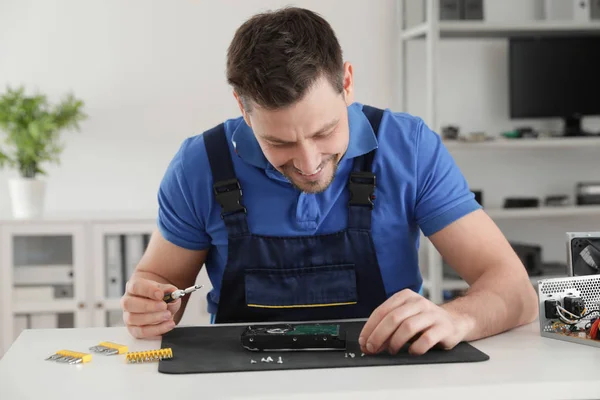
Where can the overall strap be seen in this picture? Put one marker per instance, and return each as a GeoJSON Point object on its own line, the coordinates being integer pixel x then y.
{"type": "Point", "coordinates": [226, 187]}
{"type": "Point", "coordinates": [362, 180]}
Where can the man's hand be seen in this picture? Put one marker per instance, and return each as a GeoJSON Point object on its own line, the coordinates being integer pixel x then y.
{"type": "Point", "coordinates": [409, 317]}
{"type": "Point", "coordinates": [144, 311]}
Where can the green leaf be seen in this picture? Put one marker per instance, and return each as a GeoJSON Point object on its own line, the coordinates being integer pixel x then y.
{"type": "Point", "coordinates": [33, 127]}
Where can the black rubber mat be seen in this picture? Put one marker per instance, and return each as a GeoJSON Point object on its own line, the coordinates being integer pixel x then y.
{"type": "Point", "coordinates": [219, 349]}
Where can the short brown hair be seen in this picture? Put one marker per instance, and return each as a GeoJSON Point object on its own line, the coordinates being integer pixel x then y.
{"type": "Point", "coordinates": [275, 57]}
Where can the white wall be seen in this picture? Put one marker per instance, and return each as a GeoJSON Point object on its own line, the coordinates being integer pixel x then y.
{"type": "Point", "coordinates": [152, 73]}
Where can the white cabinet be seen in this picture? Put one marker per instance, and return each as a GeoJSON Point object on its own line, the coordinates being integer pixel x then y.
{"type": "Point", "coordinates": [54, 273]}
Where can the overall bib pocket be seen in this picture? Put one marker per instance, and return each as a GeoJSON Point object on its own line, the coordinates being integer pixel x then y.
{"type": "Point", "coordinates": [322, 286]}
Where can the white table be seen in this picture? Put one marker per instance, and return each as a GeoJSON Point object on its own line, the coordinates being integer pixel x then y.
{"type": "Point", "coordinates": [522, 365]}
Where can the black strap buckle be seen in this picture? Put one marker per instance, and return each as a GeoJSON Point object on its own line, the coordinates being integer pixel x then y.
{"type": "Point", "coordinates": [229, 195]}
{"type": "Point", "coordinates": [362, 189]}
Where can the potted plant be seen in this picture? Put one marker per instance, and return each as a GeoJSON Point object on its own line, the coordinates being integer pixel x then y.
{"type": "Point", "coordinates": [32, 127]}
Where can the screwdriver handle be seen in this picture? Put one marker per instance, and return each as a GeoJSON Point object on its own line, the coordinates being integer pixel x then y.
{"type": "Point", "coordinates": [171, 297]}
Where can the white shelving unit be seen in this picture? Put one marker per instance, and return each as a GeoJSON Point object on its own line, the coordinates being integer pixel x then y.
{"type": "Point", "coordinates": [432, 31]}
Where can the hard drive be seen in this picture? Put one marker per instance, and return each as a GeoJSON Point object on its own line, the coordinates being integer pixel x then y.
{"type": "Point", "coordinates": [292, 337]}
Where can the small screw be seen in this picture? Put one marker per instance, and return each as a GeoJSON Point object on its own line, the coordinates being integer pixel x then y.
{"type": "Point", "coordinates": [352, 355]}
{"type": "Point", "coordinates": [280, 361]}
{"type": "Point", "coordinates": [252, 361]}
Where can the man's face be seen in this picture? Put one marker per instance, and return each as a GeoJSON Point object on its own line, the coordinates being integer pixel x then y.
{"type": "Point", "coordinates": [306, 141]}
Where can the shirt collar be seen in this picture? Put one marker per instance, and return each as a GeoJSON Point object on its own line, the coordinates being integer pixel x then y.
{"type": "Point", "coordinates": [362, 139]}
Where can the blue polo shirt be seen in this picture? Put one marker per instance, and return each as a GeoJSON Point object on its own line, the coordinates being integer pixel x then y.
{"type": "Point", "coordinates": [419, 187]}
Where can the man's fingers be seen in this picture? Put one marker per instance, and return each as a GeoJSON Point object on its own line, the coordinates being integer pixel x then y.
{"type": "Point", "coordinates": [410, 328]}
{"type": "Point", "coordinates": [389, 324]}
{"type": "Point", "coordinates": [428, 339]}
{"type": "Point", "coordinates": [173, 307]}
{"type": "Point", "coordinates": [144, 288]}
{"type": "Point", "coordinates": [147, 288]}
{"type": "Point", "coordinates": [380, 313]}
{"type": "Point", "coordinates": [146, 318]}
{"type": "Point", "coordinates": [135, 304]}
{"type": "Point", "coordinates": [149, 331]}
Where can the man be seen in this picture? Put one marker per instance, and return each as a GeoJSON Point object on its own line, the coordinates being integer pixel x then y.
{"type": "Point", "coordinates": [309, 206]}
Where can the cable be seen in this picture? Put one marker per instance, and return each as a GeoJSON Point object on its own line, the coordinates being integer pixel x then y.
{"type": "Point", "coordinates": [568, 312]}
{"type": "Point", "coordinates": [588, 313]}
{"type": "Point", "coordinates": [576, 317]}
{"type": "Point", "coordinates": [563, 318]}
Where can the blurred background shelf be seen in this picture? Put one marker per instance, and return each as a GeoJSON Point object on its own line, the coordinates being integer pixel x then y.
{"type": "Point", "coordinates": [543, 212]}
{"type": "Point", "coordinates": [526, 144]}
{"type": "Point", "coordinates": [484, 29]}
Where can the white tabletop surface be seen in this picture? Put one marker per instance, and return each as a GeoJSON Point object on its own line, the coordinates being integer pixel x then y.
{"type": "Point", "coordinates": [522, 365]}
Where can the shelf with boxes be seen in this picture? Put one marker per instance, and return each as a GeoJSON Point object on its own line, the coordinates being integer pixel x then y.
{"type": "Point", "coordinates": [66, 271]}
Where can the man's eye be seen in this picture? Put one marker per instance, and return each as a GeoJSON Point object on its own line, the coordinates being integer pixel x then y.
{"type": "Point", "coordinates": [280, 145]}
{"type": "Point", "coordinates": [325, 135]}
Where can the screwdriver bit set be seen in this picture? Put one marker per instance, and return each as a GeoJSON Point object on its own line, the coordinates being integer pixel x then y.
{"type": "Point", "coordinates": [70, 357]}
{"type": "Point", "coordinates": [110, 349]}
{"type": "Point", "coordinates": [149, 356]}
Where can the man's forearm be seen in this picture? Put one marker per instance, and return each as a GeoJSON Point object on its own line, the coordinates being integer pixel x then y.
{"type": "Point", "coordinates": [160, 279]}
{"type": "Point", "coordinates": [496, 302]}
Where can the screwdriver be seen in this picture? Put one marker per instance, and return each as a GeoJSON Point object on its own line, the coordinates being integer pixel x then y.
{"type": "Point", "coordinates": [170, 297]}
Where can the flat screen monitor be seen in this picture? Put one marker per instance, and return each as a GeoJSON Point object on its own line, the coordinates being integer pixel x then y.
{"type": "Point", "coordinates": [555, 77]}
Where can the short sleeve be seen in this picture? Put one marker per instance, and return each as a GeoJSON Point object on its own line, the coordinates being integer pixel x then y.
{"type": "Point", "coordinates": [443, 194]}
{"type": "Point", "coordinates": [179, 219]}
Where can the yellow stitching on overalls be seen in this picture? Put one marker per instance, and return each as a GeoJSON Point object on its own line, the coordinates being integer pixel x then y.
{"type": "Point", "coordinates": [303, 305]}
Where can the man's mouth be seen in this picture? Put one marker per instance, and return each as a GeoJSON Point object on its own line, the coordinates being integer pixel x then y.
{"type": "Point", "coordinates": [314, 173]}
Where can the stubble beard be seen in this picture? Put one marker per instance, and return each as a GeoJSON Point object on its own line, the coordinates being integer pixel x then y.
{"type": "Point", "coordinates": [317, 186]}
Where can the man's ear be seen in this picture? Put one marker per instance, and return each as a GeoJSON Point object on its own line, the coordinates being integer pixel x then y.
{"type": "Point", "coordinates": [348, 83]}
{"type": "Point", "coordinates": [242, 109]}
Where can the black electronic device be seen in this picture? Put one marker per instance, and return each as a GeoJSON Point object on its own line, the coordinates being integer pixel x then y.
{"type": "Point", "coordinates": [555, 77]}
{"type": "Point", "coordinates": [574, 304]}
{"type": "Point", "coordinates": [557, 200]}
{"type": "Point", "coordinates": [584, 252]}
{"type": "Point", "coordinates": [587, 193]}
{"type": "Point", "coordinates": [478, 196]}
{"type": "Point", "coordinates": [550, 308]}
{"type": "Point", "coordinates": [291, 337]}
{"type": "Point", "coordinates": [531, 257]}
{"type": "Point", "coordinates": [450, 132]}
{"type": "Point", "coordinates": [521, 202]}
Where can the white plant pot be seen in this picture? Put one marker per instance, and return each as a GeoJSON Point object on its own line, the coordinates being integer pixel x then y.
{"type": "Point", "coordinates": [27, 197]}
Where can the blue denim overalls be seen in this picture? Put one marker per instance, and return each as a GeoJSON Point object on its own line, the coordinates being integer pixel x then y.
{"type": "Point", "coordinates": [299, 278]}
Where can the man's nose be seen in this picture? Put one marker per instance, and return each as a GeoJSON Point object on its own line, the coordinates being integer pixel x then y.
{"type": "Point", "coordinates": [307, 159]}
